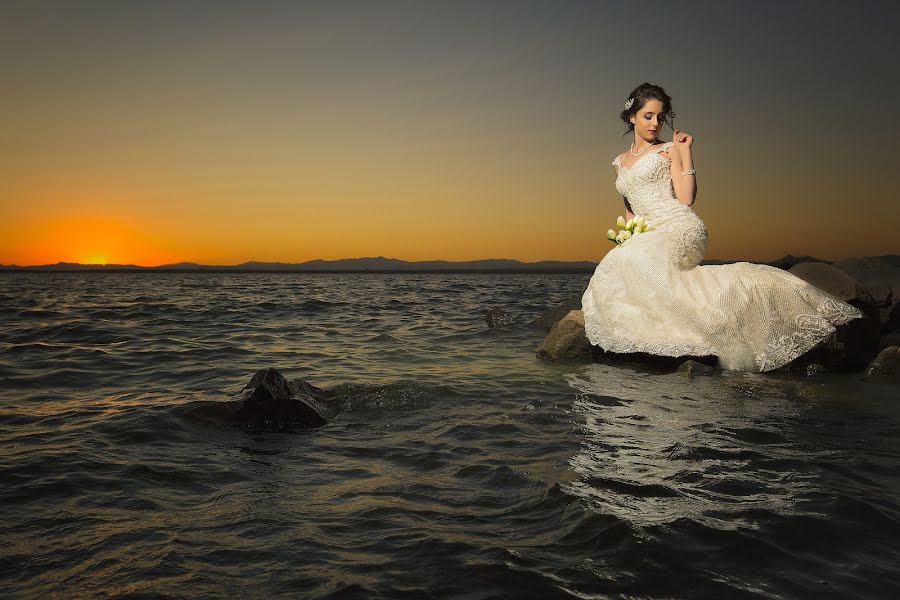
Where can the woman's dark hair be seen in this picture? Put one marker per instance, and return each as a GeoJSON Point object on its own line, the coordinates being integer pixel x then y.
{"type": "Point", "coordinates": [643, 93]}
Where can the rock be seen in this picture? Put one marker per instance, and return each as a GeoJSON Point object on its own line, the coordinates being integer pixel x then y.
{"type": "Point", "coordinates": [880, 275]}
{"type": "Point", "coordinates": [497, 317]}
{"type": "Point", "coordinates": [271, 401]}
{"type": "Point", "coordinates": [566, 340]}
{"type": "Point", "coordinates": [658, 362]}
{"type": "Point", "coordinates": [815, 369]}
{"type": "Point", "coordinates": [886, 364]}
{"type": "Point", "coordinates": [547, 320]}
{"type": "Point", "coordinates": [788, 261]}
{"type": "Point", "coordinates": [690, 368]}
{"type": "Point", "coordinates": [888, 339]}
{"type": "Point", "coordinates": [834, 281]}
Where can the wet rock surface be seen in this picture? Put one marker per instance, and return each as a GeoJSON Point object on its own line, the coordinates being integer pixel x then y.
{"type": "Point", "coordinates": [271, 401]}
{"type": "Point", "coordinates": [692, 368]}
{"type": "Point", "coordinates": [566, 340]}
{"type": "Point", "coordinates": [550, 318]}
{"type": "Point", "coordinates": [886, 364]}
{"type": "Point", "coordinates": [497, 317]}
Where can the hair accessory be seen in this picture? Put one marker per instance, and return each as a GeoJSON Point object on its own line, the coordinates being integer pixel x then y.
{"type": "Point", "coordinates": [629, 103]}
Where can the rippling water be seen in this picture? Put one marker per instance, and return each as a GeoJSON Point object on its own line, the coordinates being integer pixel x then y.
{"type": "Point", "coordinates": [461, 467]}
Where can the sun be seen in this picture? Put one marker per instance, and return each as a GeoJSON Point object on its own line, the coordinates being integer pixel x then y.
{"type": "Point", "coordinates": [94, 260]}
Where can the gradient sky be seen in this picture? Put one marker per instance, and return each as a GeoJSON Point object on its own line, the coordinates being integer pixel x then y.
{"type": "Point", "coordinates": [220, 132]}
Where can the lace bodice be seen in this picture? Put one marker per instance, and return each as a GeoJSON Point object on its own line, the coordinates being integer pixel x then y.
{"type": "Point", "coordinates": [647, 184]}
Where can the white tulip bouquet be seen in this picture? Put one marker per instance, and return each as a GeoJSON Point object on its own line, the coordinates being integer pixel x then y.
{"type": "Point", "coordinates": [627, 229]}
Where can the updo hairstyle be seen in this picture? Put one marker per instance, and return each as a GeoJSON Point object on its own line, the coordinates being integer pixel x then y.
{"type": "Point", "coordinates": [643, 93]}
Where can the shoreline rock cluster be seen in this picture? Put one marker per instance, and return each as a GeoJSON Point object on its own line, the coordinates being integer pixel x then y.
{"type": "Point", "coordinates": [870, 345]}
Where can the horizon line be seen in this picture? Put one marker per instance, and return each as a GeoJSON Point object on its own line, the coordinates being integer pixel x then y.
{"type": "Point", "coordinates": [383, 258]}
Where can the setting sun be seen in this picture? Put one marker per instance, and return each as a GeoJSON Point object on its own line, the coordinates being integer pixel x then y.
{"type": "Point", "coordinates": [88, 239]}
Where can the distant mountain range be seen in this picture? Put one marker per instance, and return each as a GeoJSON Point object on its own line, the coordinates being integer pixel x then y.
{"type": "Point", "coordinates": [380, 264]}
{"type": "Point", "coordinates": [367, 264]}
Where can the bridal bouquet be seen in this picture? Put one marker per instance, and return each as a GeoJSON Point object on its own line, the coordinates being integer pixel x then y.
{"type": "Point", "coordinates": [627, 229]}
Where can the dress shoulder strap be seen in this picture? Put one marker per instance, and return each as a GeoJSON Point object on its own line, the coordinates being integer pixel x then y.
{"type": "Point", "coordinates": [616, 162]}
{"type": "Point", "coordinates": [665, 146]}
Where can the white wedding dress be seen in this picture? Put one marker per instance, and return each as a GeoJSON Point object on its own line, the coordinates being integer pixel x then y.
{"type": "Point", "coordinates": [650, 294]}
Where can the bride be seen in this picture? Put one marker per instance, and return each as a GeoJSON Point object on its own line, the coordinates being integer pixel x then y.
{"type": "Point", "coordinates": [650, 294]}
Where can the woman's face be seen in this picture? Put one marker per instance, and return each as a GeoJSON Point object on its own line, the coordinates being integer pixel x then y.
{"type": "Point", "coordinates": [648, 120]}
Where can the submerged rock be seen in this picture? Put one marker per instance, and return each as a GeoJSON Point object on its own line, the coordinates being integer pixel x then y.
{"type": "Point", "coordinates": [886, 364]}
{"type": "Point", "coordinates": [815, 369]}
{"type": "Point", "coordinates": [497, 317]}
{"type": "Point", "coordinates": [691, 368]}
{"type": "Point", "coordinates": [272, 401]}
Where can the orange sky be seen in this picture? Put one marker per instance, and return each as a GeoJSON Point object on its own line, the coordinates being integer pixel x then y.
{"type": "Point", "coordinates": [218, 135]}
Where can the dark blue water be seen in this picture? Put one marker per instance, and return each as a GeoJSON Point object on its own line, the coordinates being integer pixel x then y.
{"type": "Point", "coordinates": [461, 467]}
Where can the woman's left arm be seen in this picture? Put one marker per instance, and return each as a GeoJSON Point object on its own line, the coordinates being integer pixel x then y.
{"type": "Point", "coordinates": [685, 186]}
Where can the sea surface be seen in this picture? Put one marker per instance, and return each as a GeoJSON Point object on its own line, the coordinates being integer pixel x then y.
{"type": "Point", "coordinates": [462, 465]}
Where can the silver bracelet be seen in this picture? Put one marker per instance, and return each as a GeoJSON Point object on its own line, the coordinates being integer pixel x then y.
{"type": "Point", "coordinates": [689, 172]}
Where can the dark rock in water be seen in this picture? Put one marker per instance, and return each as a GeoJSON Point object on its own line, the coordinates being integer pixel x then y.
{"type": "Point", "coordinates": [815, 369]}
{"type": "Point", "coordinates": [497, 317]}
{"type": "Point", "coordinates": [271, 401]}
{"type": "Point", "coordinates": [690, 368]}
{"type": "Point", "coordinates": [881, 277]}
{"type": "Point", "coordinates": [566, 340]}
{"type": "Point", "coordinates": [886, 364]}
{"type": "Point", "coordinates": [550, 318]}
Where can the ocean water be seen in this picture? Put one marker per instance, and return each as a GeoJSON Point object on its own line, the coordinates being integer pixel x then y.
{"type": "Point", "coordinates": [462, 466]}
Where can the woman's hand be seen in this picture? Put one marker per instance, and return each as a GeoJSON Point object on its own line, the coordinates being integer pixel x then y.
{"type": "Point", "coordinates": [682, 141]}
